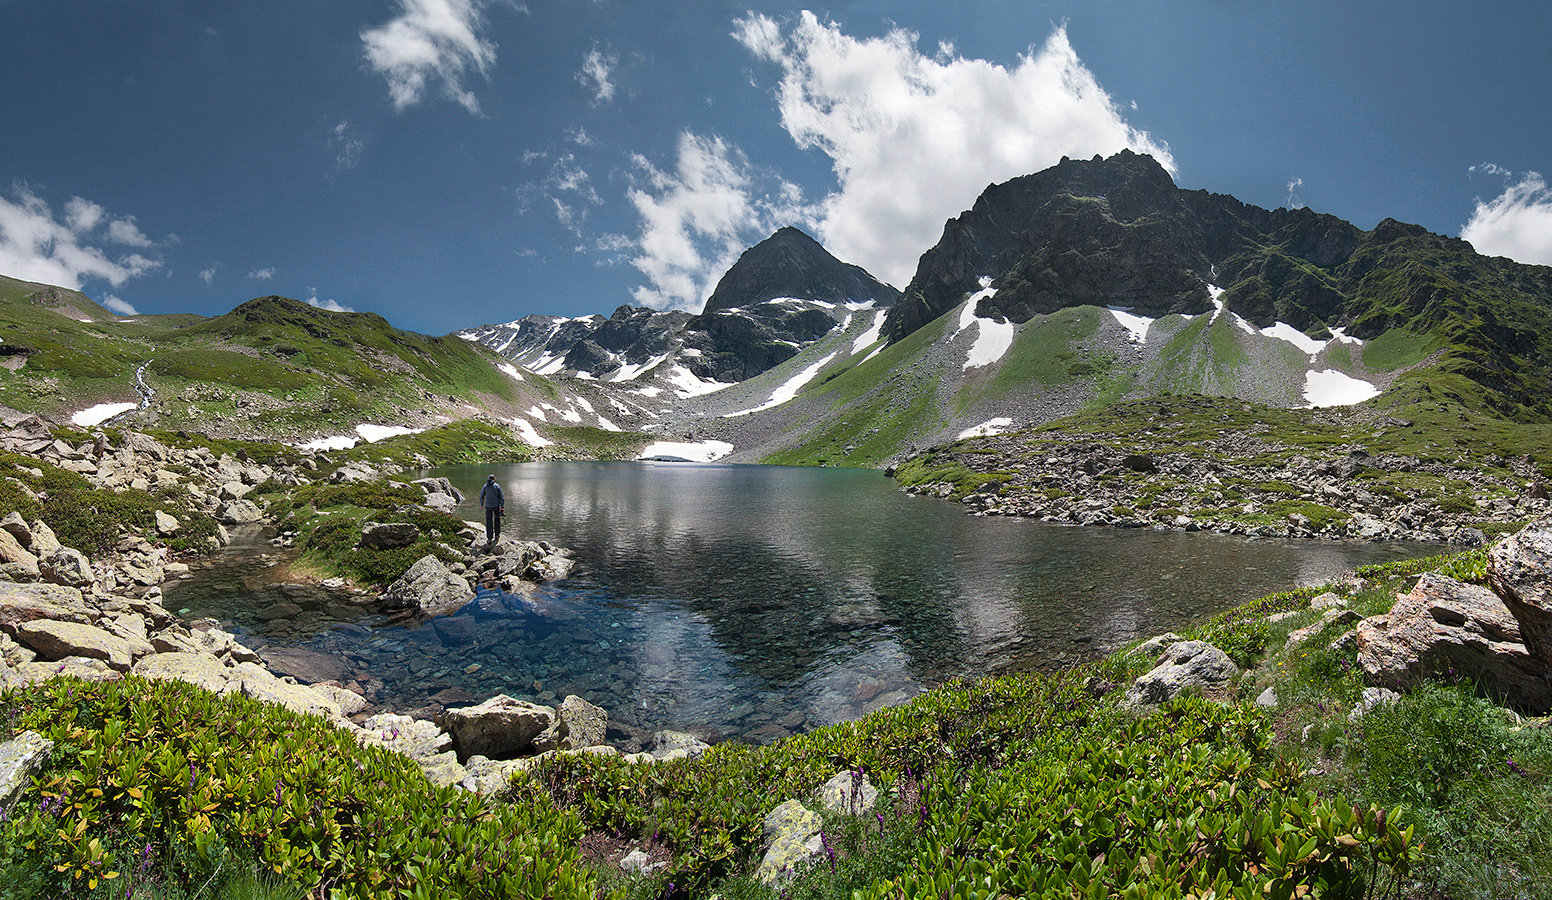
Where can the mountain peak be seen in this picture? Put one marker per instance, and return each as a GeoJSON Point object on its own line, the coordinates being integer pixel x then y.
{"type": "Point", "coordinates": [790, 263]}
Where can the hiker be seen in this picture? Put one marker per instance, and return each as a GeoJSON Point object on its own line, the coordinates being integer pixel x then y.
{"type": "Point", "coordinates": [495, 507]}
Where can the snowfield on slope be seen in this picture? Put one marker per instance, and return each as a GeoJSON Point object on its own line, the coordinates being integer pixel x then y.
{"type": "Point", "coordinates": [102, 412]}
{"type": "Point", "coordinates": [700, 451]}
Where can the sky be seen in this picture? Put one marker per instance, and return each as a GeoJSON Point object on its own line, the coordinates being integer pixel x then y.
{"type": "Point", "coordinates": [452, 163]}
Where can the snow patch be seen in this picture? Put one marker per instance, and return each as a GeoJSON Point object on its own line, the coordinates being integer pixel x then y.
{"type": "Point", "coordinates": [528, 433]}
{"type": "Point", "coordinates": [991, 339]}
{"type": "Point", "coordinates": [627, 373]}
{"type": "Point", "coordinates": [788, 390]}
{"type": "Point", "coordinates": [510, 370]}
{"type": "Point", "coordinates": [607, 425]}
{"type": "Point", "coordinates": [650, 391]}
{"type": "Point", "coordinates": [1137, 325]}
{"type": "Point", "coordinates": [100, 413]}
{"type": "Point", "coordinates": [1328, 387]}
{"type": "Point", "coordinates": [338, 442]}
{"type": "Point", "coordinates": [701, 451]}
{"type": "Point", "coordinates": [987, 428]}
{"type": "Point", "coordinates": [571, 416]}
{"type": "Point", "coordinates": [537, 413]}
{"type": "Point", "coordinates": [688, 384]}
{"type": "Point", "coordinates": [871, 336]}
{"type": "Point", "coordinates": [374, 433]}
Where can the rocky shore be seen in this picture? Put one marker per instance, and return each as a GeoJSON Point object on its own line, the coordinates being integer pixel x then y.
{"type": "Point", "coordinates": [1239, 483]}
{"type": "Point", "coordinates": [65, 613]}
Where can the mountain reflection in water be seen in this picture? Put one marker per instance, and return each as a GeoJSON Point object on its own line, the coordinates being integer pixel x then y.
{"type": "Point", "coordinates": [761, 601]}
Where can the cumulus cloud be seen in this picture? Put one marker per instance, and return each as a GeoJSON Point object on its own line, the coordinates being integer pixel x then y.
{"type": "Point", "coordinates": [431, 43]}
{"type": "Point", "coordinates": [264, 274]}
{"type": "Point", "coordinates": [330, 305]}
{"type": "Point", "coordinates": [698, 217]}
{"type": "Point", "coordinates": [208, 275]}
{"type": "Point", "coordinates": [596, 73]}
{"type": "Point", "coordinates": [125, 231]}
{"type": "Point", "coordinates": [118, 306]}
{"type": "Point", "coordinates": [1293, 185]}
{"type": "Point", "coordinates": [914, 139]}
{"type": "Point", "coordinates": [1517, 223]}
{"type": "Point", "coordinates": [37, 245]}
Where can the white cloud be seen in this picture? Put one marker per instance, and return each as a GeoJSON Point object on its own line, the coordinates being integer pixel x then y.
{"type": "Point", "coordinates": [119, 307]}
{"type": "Point", "coordinates": [264, 274]}
{"type": "Point", "coordinates": [330, 305]}
{"type": "Point", "coordinates": [431, 42]}
{"type": "Point", "coordinates": [697, 218]}
{"type": "Point", "coordinates": [1293, 185]}
{"type": "Point", "coordinates": [1516, 223]}
{"type": "Point", "coordinates": [914, 139]}
{"type": "Point", "coordinates": [209, 274]}
{"type": "Point", "coordinates": [597, 70]}
{"type": "Point", "coordinates": [125, 231]}
{"type": "Point", "coordinates": [83, 215]}
{"type": "Point", "coordinates": [347, 148]}
{"type": "Point", "coordinates": [36, 246]}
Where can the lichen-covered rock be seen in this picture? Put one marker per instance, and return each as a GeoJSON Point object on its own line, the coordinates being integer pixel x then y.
{"type": "Point", "coordinates": [668, 745]}
{"type": "Point", "coordinates": [586, 724]}
{"type": "Point", "coordinates": [239, 512]}
{"type": "Point", "coordinates": [792, 833]}
{"type": "Point", "coordinates": [389, 535]}
{"type": "Point", "coordinates": [202, 669]}
{"type": "Point", "coordinates": [20, 758]}
{"type": "Point", "coordinates": [848, 793]}
{"type": "Point", "coordinates": [56, 640]}
{"type": "Point", "coordinates": [1189, 664]}
{"type": "Point", "coordinates": [20, 603]}
{"type": "Point", "coordinates": [66, 566]}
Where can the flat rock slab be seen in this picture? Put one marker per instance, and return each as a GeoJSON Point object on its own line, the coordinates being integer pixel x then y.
{"type": "Point", "coordinates": [307, 666]}
{"type": "Point", "coordinates": [20, 603]}
{"type": "Point", "coordinates": [201, 669]}
{"type": "Point", "coordinates": [57, 640]}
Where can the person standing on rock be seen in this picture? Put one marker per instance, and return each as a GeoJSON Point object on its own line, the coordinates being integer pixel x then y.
{"type": "Point", "coordinates": [495, 507]}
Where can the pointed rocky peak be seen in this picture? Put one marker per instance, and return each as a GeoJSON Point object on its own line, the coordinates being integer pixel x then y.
{"type": "Point", "coordinates": [789, 263]}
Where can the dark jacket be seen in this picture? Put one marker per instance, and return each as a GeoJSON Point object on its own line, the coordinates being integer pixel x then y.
{"type": "Point", "coordinates": [490, 496]}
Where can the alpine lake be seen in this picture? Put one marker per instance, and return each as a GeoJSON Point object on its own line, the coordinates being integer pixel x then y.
{"type": "Point", "coordinates": [754, 602]}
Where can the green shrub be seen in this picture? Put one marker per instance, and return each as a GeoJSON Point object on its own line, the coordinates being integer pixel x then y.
{"type": "Point", "coordinates": [166, 771]}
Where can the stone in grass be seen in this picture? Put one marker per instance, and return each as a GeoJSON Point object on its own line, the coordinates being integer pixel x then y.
{"type": "Point", "coordinates": [20, 759]}
{"type": "Point", "coordinates": [792, 831]}
{"type": "Point", "coordinates": [848, 793]}
{"type": "Point", "coordinates": [502, 727]}
{"type": "Point", "coordinates": [1188, 664]}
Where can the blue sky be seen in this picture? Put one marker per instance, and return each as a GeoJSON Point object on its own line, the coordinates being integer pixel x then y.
{"type": "Point", "coordinates": [450, 163]}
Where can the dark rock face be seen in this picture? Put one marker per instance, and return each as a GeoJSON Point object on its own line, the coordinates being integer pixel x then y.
{"type": "Point", "coordinates": [1118, 232]}
{"type": "Point", "coordinates": [789, 263]}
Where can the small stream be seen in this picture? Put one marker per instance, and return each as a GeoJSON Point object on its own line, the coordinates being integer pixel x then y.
{"type": "Point", "coordinates": [755, 601]}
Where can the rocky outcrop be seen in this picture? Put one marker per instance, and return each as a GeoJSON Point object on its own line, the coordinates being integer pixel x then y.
{"type": "Point", "coordinates": [1447, 627]}
{"type": "Point", "coordinates": [1520, 570]}
{"type": "Point", "coordinates": [792, 832]}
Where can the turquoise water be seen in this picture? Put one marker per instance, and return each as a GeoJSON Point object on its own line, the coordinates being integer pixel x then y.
{"type": "Point", "coordinates": [758, 601]}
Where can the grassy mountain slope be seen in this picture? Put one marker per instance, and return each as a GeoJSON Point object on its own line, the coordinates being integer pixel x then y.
{"type": "Point", "coordinates": [272, 368]}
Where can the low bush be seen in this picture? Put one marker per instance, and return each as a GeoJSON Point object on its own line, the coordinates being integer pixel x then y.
{"type": "Point", "coordinates": [149, 772]}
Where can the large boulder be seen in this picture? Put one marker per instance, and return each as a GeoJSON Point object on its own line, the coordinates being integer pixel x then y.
{"type": "Point", "coordinates": [1519, 568]}
{"type": "Point", "coordinates": [429, 587]}
{"type": "Point", "coordinates": [389, 535]}
{"type": "Point", "coordinates": [1186, 665]}
{"type": "Point", "coordinates": [1445, 626]}
{"type": "Point", "coordinates": [258, 682]}
{"type": "Point", "coordinates": [586, 724]}
{"type": "Point", "coordinates": [238, 512]}
{"type": "Point", "coordinates": [15, 560]}
{"type": "Point", "coordinates": [56, 640]}
{"type": "Point", "coordinates": [500, 728]}
{"type": "Point", "coordinates": [306, 666]}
